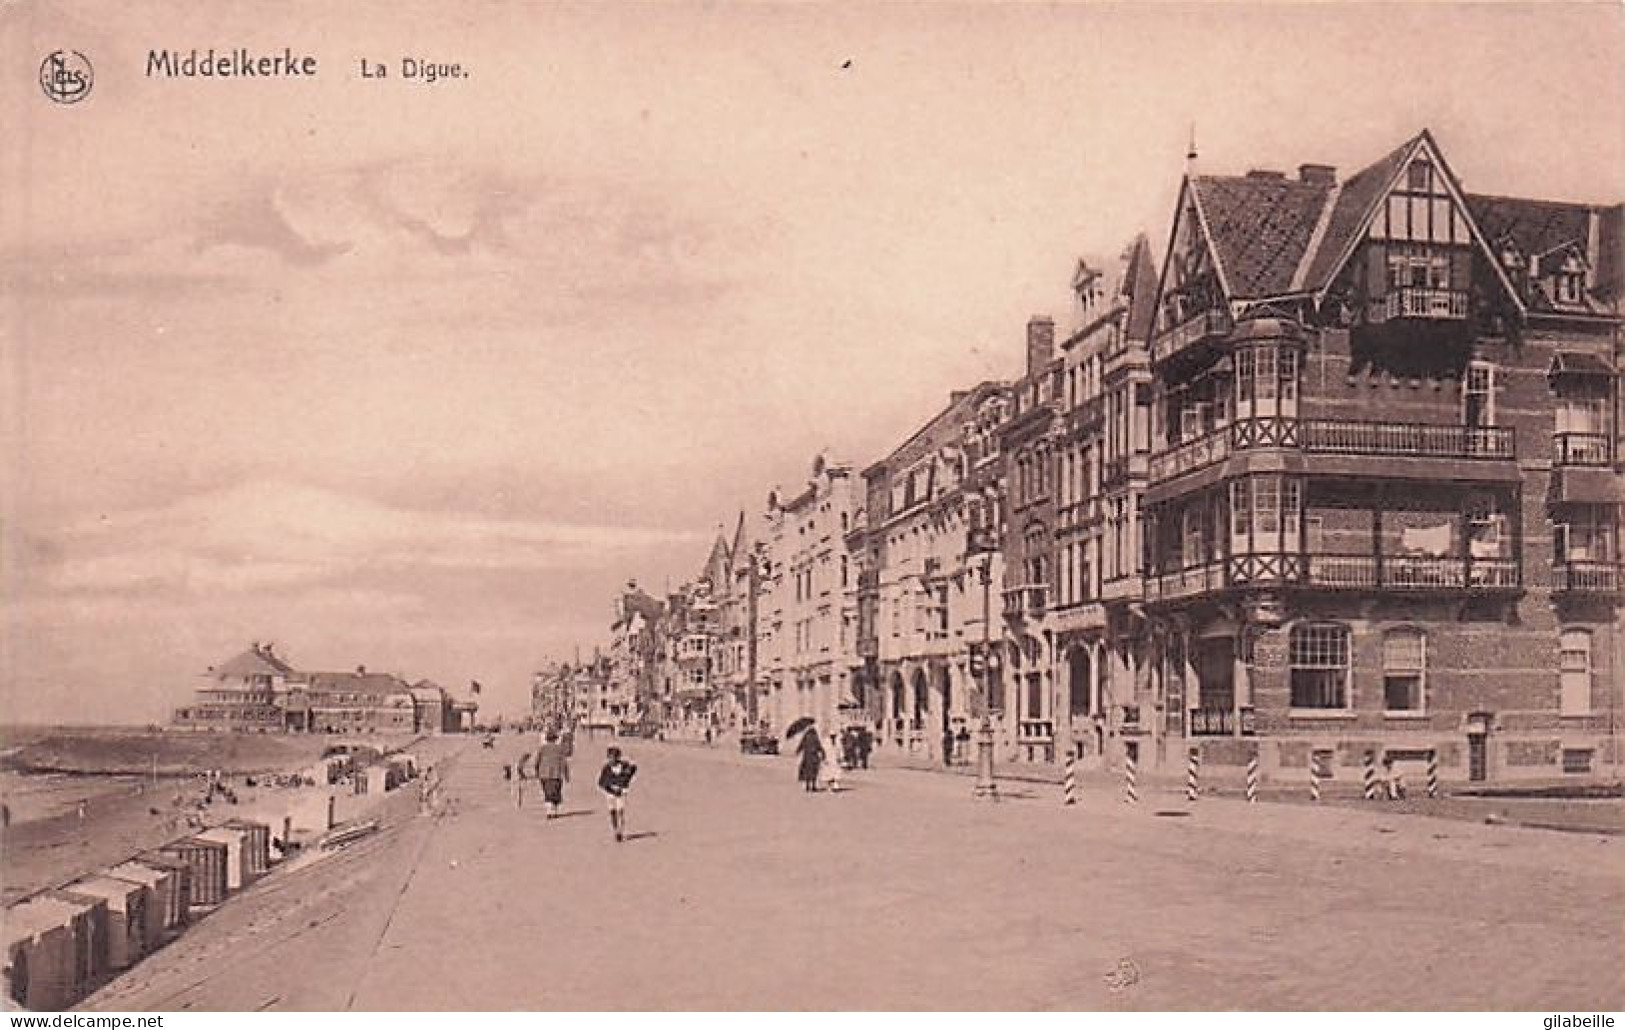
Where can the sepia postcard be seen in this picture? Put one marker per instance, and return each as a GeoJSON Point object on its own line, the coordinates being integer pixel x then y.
{"type": "Point", "coordinates": [767, 507]}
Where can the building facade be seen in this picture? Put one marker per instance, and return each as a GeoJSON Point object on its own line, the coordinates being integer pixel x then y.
{"type": "Point", "coordinates": [1382, 509]}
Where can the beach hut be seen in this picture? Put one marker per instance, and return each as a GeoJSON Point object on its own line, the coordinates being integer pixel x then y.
{"type": "Point", "coordinates": [236, 843]}
{"type": "Point", "coordinates": [91, 933]}
{"type": "Point", "coordinates": [207, 859]}
{"type": "Point", "coordinates": [178, 899]}
{"type": "Point", "coordinates": [160, 885]}
{"type": "Point", "coordinates": [41, 968]}
{"type": "Point", "coordinates": [126, 916]}
{"type": "Point", "coordinates": [257, 845]}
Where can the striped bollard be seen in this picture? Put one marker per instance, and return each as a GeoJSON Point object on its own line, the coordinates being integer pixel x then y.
{"type": "Point", "coordinates": [1433, 774]}
{"type": "Point", "coordinates": [1070, 786]}
{"type": "Point", "coordinates": [1370, 775]}
{"type": "Point", "coordinates": [1131, 789]}
{"type": "Point", "coordinates": [1192, 763]}
{"type": "Point", "coordinates": [1252, 778]}
{"type": "Point", "coordinates": [1314, 778]}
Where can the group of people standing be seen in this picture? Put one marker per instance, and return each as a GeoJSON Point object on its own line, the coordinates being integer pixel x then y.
{"type": "Point", "coordinates": [550, 769]}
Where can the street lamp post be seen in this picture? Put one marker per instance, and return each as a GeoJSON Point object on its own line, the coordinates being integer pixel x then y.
{"type": "Point", "coordinates": [986, 786]}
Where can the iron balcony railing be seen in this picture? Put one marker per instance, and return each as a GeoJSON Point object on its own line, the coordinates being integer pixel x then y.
{"type": "Point", "coordinates": [1418, 302]}
{"type": "Point", "coordinates": [1582, 449]}
{"type": "Point", "coordinates": [1335, 436]}
{"type": "Point", "coordinates": [1411, 572]}
{"type": "Point", "coordinates": [1588, 576]}
{"type": "Point", "coordinates": [1203, 325]}
{"type": "Point", "coordinates": [1407, 439]}
{"type": "Point", "coordinates": [1212, 722]}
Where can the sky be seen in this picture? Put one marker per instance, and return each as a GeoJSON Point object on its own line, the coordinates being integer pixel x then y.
{"type": "Point", "coordinates": [417, 375]}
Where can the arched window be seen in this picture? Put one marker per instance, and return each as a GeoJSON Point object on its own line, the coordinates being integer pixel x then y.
{"type": "Point", "coordinates": [1404, 669]}
{"type": "Point", "coordinates": [1318, 655]}
{"type": "Point", "coordinates": [1574, 672]}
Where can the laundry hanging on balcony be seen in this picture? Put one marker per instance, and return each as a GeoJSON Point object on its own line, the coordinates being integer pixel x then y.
{"type": "Point", "coordinates": [1429, 540]}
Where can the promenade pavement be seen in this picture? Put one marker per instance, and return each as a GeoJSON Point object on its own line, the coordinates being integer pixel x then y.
{"type": "Point", "coordinates": [738, 891]}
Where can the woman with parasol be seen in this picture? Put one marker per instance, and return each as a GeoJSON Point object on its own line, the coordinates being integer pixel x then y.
{"type": "Point", "coordinates": [811, 750]}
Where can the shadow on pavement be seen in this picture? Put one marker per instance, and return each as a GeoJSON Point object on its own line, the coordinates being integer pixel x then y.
{"type": "Point", "coordinates": [646, 834]}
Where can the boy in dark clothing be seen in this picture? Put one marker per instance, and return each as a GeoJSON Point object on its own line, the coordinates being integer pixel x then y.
{"type": "Point", "coordinates": [615, 780]}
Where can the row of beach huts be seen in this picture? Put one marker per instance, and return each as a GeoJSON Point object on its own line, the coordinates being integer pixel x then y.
{"type": "Point", "coordinates": [64, 942]}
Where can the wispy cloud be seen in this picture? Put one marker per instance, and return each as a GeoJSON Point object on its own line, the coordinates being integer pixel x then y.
{"type": "Point", "coordinates": [271, 535]}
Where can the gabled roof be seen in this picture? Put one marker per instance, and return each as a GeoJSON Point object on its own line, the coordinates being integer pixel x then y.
{"type": "Point", "coordinates": [256, 661]}
{"type": "Point", "coordinates": [1353, 200]}
{"type": "Point", "coordinates": [1259, 228]}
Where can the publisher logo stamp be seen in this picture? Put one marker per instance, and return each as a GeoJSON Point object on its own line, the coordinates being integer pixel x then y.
{"type": "Point", "coordinates": [66, 76]}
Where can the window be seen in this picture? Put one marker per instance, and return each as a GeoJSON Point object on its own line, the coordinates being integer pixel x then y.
{"type": "Point", "coordinates": [1478, 395]}
{"type": "Point", "coordinates": [1419, 176]}
{"type": "Point", "coordinates": [1574, 672]}
{"type": "Point", "coordinates": [1404, 669]}
{"type": "Point", "coordinates": [1319, 658]}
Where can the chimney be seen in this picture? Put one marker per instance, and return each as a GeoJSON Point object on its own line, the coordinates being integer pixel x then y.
{"type": "Point", "coordinates": [360, 670]}
{"type": "Point", "coordinates": [1040, 343]}
{"type": "Point", "coordinates": [1319, 175]}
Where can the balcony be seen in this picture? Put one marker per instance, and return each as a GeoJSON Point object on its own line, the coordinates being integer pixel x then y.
{"type": "Point", "coordinates": [1418, 302]}
{"type": "Point", "coordinates": [1026, 600]}
{"type": "Point", "coordinates": [1198, 579]}
{"type": "Point", "coordinates": [1191, 454]}
{"type": "Point", "coordinates": [1587, 449]}
{"type": "Point", "coordinates": [1200, 328]}
{"type": "Point", "coordinates": [1588, 576]}
{"type": "Point", "coordinates": [1406, 440]}
{"type": "Point", "coordinates": [1407, 573]}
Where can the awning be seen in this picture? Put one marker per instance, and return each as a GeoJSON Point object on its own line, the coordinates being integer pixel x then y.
{"type": "Point", "coordinates": [1579, 363]}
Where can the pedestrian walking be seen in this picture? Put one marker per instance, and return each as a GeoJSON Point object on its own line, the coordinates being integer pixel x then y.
{"type": "Point", "coordinates": [615, 780]}
{"type": "Point", "coordinates": [866, 743]}
{"type": "Point", "coordinates": [552, 772]}
{"type": "Point", "coordinates": [811, 750]}
{"type": "Point", "coordinates": [962, 744]}
{"type": "Point", "coordinates": [947, 745]}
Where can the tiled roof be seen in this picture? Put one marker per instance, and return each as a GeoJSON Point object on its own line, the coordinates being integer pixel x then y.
{"type": "Point", "coordinates": [1358, 192]}
{"type": "Point", "coordinates": [359, 682]}
{"type": "Point", "coordinates": [1539, 227]}
{"type": "Point", "coordinates": [253, 662]}
{"type": "Point", "coordinates": [1259, 228]}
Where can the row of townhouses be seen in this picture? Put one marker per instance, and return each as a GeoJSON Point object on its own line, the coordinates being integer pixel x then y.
{"type": "Point", "coordinates": [1341, 477]}
{"type": "Point", "coordinates": [258, 691]}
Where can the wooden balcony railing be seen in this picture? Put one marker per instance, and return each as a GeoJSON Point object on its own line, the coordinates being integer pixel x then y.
{"type": "Point", "coordinates": [1588, 576]}
{"type": "Point", "coordinates": [1035, 730]}
{"type": "Point", "coordinates": [1582, 449]}
{"type": "Point", "coordinates": [1204, 325]}
{"type": "Point", "coordinates": [1418, 302]}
